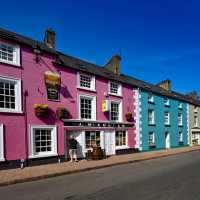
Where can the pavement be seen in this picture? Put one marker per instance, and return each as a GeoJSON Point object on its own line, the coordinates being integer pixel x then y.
{"type": "Point", "coordinates": [13, 176]}
{"type": "Point", "coordinates": [168, 178]}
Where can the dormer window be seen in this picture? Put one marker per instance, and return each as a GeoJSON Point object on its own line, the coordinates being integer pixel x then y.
{"type": "Point", "coordinates": [9, 54]}
{"type": "Point", "coordinates": [180, 105]}
{"type": "Point", "coordinates": [115, 88]}
{"type": "Point", "coordinates": [150, 97]}
{"type": "Point", "coordinates": [166, 101]}
{"type": "Point", "coordinates": [86, 81]}
{"type": "Point", "coordinates": [195, 109]}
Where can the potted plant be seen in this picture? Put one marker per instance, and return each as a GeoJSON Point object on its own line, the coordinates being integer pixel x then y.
{"type": "Point", "coordinates": [129, 116]}
{"type": "Point", "coordinates": [62, 112]}
{"type": "Point", "coordinates": [41, 110]}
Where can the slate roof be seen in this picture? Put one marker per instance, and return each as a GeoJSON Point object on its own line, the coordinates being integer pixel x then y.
{"type": "Point", "coordinates": [64, 60]}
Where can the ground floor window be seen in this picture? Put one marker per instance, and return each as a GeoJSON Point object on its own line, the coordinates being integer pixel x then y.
{"type": "Point", "coordinates": [151, 139]}
{"type": "Point", "coordinates": [1, 143]}
{"type": "Point", "coordinates": [121, 138]}
{"type": "Point", "coordinates": [92, 139]}
{"type": "Point", "coordinates": [180, 137]}
{"type": "Point", "coordinates": [43, 141]}
{"type": "Point", "coordinates": [195, 137]}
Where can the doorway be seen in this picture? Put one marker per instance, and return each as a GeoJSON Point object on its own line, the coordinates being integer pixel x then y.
{"type": "Point", "coordinates": [167, 140]}
{"type": "Point", "coordinates": [109, 142]}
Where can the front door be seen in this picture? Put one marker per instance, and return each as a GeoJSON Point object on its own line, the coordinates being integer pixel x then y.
{"type": "Point", "coordinates": [167, 140]}
{"type": "Point", "coordinates": [109, 141]}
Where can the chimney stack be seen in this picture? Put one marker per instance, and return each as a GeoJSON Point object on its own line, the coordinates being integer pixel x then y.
{"type": "Point", "coordinates": [113, 64]}
{"type": "Point", "coordinates": [49, 38]}
{"type": "Point", "coordinates": [193, 95]}
{"type": "Point", "coordinates": [166, 85]}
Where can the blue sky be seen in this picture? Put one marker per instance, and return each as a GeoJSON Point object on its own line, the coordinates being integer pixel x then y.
{"type": "Point", "coordinates": [157, 39]}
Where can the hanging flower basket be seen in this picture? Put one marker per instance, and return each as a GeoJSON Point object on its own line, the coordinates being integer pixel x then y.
{"type": "Point", "coordinates": [41, 110]}
{"type": "Point", "coordinates": [62, 112]}
{"type": "Point", "coordinates": [129, 116]}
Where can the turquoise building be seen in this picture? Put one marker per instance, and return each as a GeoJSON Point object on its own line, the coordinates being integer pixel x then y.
{"type": "Point", "coordinates": [163, 118]}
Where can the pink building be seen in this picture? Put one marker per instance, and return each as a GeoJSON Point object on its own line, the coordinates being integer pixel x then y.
{"type": "Point", "coordinates": [45, 96]}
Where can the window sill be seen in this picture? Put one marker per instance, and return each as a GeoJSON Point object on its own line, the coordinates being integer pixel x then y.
{"type": "Point", "coordinates": [167, 105]}
{"type": "Point", "coordinates": [121, 147]}
{"type": "Point", "coordinates": [151, 102]}
{"type": "Point", "coordinates": [168, 125]}
{"type": "Point", "coordinates": [87, 89]}
{"type": "Point", "coordinates": [10, 63]}
{"type": "Point", "coordinates": [2, 159]}
{"type": "Point", "coordinates": [116, 95]}
{"type": "Point", "coordinates": [180, 125]}
{"type": "Point", "coordinates": [180, 108]}
{"type": "Point", "coordinates": [44, 155]}
{"type": "Point", "coordinates": [152, 124]}
{"type": "Point", "coordinates": [10, 111]}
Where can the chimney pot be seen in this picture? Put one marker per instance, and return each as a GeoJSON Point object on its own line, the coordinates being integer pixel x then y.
{"type": "Point", "coordinates": [49, 38]}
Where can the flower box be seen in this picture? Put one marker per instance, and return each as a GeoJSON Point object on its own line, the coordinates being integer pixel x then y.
{"type": "Point", "coordinates": [41, 110]}
{"type": "Point", "coordinates": [62, 113]}
{"type": "Point", "coordinates": [129, 116]}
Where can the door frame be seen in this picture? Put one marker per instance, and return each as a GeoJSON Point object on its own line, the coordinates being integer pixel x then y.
{"type": "Point", "coordinates": [167, 140]}
{"type": "Point", "coordinates": [111, 138]}
{"type": "Point", "coordinates": [2, 158]}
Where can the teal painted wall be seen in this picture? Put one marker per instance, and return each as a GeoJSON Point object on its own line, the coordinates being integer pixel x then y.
{"type": "Point", "coordinates": [160, 128]}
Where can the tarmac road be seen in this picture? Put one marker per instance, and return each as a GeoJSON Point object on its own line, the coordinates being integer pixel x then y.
{"type": "Point", "coordinates": [169, 178]}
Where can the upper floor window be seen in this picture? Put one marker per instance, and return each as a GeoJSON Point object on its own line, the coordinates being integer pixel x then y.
{"type": "Point", "coordinates": [167, 118]}
{"type": "Point", "coordinates": [151, 116]}
{"type": "Point", "coordinates": [180, 119]}
{"type": "Point", "coordinates": [196, 123]}
{"type": "Point", "coordinates": [166, 101]}
{"type": "Point", "coordinates": [9, 54]}
{"type": "Point", "coordinates": [180, 105]}
{"type": "Point", "coordinates": [86, 81]}
{"type": "Point", "coordinates": [87, 107]}
{"type": "Point", "coordinates": [150, 97]}
{"type": "Point", "coordinates": [195, 109]}
{"type": "Point", "coordinates": [115, 88]}
{"type": "Point", "coordinates": [10, 95]}
{"type": "Point", "coordinates": [115, 111]}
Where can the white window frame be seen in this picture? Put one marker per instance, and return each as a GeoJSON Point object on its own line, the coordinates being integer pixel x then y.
{"type": "Point", "coordinates": [16, 55]}
{"type": "Point", "coordinates": [196, 109]}
{"type": "Point", "coordinates": [31, 141]}
{"type": "Point", "coordinates": [92, 83]}
{"type": "Point", "coordinates": [166, 118]}
{"type": "Point", "coordinates": [180, 122]}
{"type": "Point", "coordinates": [122, 146]}
{"type": "Point", "coordinates": [150, 97]}
{"type": "Point", "coordinates": [180, 136]}
{"type": "Point", "coordinates": [153, 138]}
{"type": "Point", "coordinates": [166, 101]}
{"type": "Point", "coordinates": [18, 95]}
{"type": "Point", "coordinates": [120, 119]}
{"type": "Point", "coordinates": [93, 114]}
{"type": "Point", "coordinates": [196, 121]}
{"type": "Point", "coordinates": [180, 105]}
{"type": "Point", "coordinates": [119, 91]}
{"type": "Point", "coordinates": [153, 117]}
{"type": "Point", "coordinates": [2, 158]}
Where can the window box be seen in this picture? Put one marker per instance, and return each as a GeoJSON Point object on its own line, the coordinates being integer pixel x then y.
{"type": "Point", "coordinates": [41, 110]}
{"type": "Point", "coordinates": [62, 113]}
{"type": "Point", "coordinates": [152, 146]}
{"type": "Point", "coordinates": [129, 116]}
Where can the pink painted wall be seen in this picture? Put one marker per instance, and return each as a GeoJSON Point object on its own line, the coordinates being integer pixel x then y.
{"type": "Point", "coordinates": [31, 74]}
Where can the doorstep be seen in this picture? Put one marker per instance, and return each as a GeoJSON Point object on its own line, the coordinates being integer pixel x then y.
{"type": "Point", "coordinates": [13, 176]}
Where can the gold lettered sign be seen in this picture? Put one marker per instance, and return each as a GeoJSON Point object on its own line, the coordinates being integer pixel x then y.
{"type": "Point", "coordinates": [52, 82]}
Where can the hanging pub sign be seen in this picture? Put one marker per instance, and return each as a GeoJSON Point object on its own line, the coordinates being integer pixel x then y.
{"type": "Point", "coordinates": [52, 82]}
{"type": "Point", "coordinates": [105, 105]}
